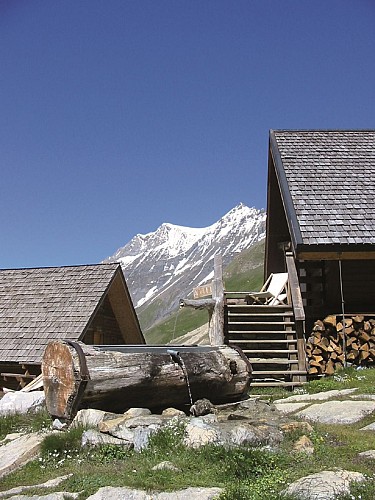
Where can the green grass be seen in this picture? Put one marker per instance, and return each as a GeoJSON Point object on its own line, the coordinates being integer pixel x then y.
{"type": "Point", "coordinates": [179, 323]}
{"type": "Point", "coordinates": [245, 272]}
{"type": "Point", "coordinates": [244, 473]}
{"type": "Point", "coordinates": [19, 423]}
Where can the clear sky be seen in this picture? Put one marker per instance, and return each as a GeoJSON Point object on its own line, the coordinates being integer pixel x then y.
{"type": "Point", "coordinates": [119, 115]}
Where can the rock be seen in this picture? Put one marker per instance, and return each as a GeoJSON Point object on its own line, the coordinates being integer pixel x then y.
{"type": "Point", "coordinates": [145, 421]}
{"type": "Point", "coordinates": [338, 412]}
{"type": "Point", "coordinates": [202, 407]}
{"type": "Point", "coordinates": [319, 396]}
{"type": "Point", "coordinates": [325, 485]}
{"type": "Point", "coordinates": [166, 466]}
{"type": "Point", "coordinates": [367, 454]}
{"type": "Point", "coordinates": [57, 425]}
{"type": "Point", "coordinates": [57, 495]}
{"type": "Point", "coordinates": [287, 408]}
{"type": "Point", "coordinates": [296, 426]}
{"type": "Point", "coordinates": [369, 427]}
{"type": "Point", "coordinates": [108, 493]}
{"type": "Point", "coordinates": [245, 434]}
{"type": "Point", "coordinates": [113, 424]}
{"type": "Point", "coordinates": [304, 445]}
{"type": "Point", "coordinates": [52, 483]}
{"type": "Point", "coordinates": [198, 433]}
{"type": "Point", "coordinates": [137, 412]}
{"type": "Point", "coordinates": [19, 451]}
{"type": "Point", "coordinates": [21, 402]}
{"type": "Point", "coordinates": [92, 418]}
{"type": "Point", "coordinates": [11, 436]}
{"type": "Point", "coordinates": [92, 437]}
{"type": "Point", "coordinates": [173, 412]}
{"type": "Point", "coordinates": [142, 436]}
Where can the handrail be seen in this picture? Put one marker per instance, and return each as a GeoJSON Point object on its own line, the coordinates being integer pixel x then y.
{"type": "Point", "coordinates": [295, 290]}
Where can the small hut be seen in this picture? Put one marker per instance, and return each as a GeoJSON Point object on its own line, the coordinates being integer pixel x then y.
{"type": "Point", "coordinates": [89, 303]}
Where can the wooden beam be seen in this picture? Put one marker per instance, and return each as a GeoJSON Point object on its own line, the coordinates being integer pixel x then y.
{"type": "Point", "coordinates": [320, 255]}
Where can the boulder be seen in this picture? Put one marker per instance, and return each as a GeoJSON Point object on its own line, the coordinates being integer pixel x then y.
{"type": "Point", "coordinates": [325, 485]}
{"type": "Point", "coordinates": [92, 418]}
{"type": "Point", "coordinates": [21, 402]}
{"type": "Point", "coordinates": [92, 437]}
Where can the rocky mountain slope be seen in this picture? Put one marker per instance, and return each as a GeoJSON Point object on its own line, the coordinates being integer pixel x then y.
{"type": "Point", "coordinates": [165, 265]}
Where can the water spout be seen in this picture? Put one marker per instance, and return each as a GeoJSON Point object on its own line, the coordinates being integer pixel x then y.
{"type": "Point", "coordinates": [176, 357]}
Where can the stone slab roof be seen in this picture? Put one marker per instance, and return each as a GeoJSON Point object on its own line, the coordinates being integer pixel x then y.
{"type": "Point", "coordinates": [329, 178]}
{"type": "Point", "coordinates": [38, 305]}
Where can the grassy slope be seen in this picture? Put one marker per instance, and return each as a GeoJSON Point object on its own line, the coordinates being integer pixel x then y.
{"type": "Point", "coordinates": [245, 272]}
{"type": "Point", "coordinates": [246, 474]}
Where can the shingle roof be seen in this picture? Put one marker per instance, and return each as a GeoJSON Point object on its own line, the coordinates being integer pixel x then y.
{"type": "Point", "coordinates": [329, 176]}
{"type": "Point", "coordinates": [37, 305]}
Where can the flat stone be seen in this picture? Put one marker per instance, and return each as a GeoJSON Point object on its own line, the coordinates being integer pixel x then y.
{"type": "Point", "coordinates": [363, 396]}
{"type": "Point", "coordinates": [325, 485]}
{"type": "Point", "coordinates": [137, 412]}
{"type": "Point", "coordinates": [92, 418]}
{"type": "Point", "coordinates": [93, 437]}
{"type": "Point", "coordinates": [111, 493]}
{"type": "Point", "coordinates": [319, 396]}
{"type": "Point", "coordinates": [287, 408]}
{"type": "Point", "coordinates": [142, 436]}
{"type": "Point", "coordinates": [367, 454]}
{"type": "Point", "coordinates": [52, 483]}
{"type": "Point", "coordinates": [57, 495]}
{"type": "Point", "coordinates": [21, 402]}
{"type": "Point", "coordinates": [337, 412]}
{"type": "Point", "coordinates": [369, 427]}
{"type": "Point", "coordinates": [19, 451]}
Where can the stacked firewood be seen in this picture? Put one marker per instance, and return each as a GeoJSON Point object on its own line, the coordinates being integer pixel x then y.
{"type": "Point", "coordinates": [330, 344]}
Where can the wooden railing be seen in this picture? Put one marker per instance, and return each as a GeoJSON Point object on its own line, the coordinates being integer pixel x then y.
{"type": "Point", "coordinates": [298, 309]}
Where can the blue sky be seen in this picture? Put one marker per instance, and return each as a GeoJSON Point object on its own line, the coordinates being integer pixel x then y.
{"type": "Point", "coordinates": [118, 115]}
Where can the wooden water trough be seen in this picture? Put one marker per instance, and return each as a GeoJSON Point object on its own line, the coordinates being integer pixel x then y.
{"type": "Point", "coordinates": [117, 377]}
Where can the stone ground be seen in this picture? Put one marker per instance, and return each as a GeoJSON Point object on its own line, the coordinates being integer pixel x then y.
{"type": "Point", "coordinates": [253, 422]}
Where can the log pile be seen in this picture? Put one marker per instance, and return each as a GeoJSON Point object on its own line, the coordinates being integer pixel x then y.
{"type": "Point", "coordinates": [330, 344]}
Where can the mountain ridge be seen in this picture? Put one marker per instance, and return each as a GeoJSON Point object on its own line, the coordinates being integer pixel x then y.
{"type": "Point", "coordinates": [164, 265]}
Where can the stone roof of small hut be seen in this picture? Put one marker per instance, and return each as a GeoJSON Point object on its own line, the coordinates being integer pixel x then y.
{"type": "Point", "coordinates": [327, 181]}
{"type": "Point", "coordinates": [41, 304]}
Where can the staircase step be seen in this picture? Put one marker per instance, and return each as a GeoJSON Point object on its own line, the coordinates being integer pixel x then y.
{"type": "Point", "coordinates": [257, 323]}
{"type": "Point", "coordinates": [260, 315]}
{"type": "Point", "coordinates": [277, 384]}
{"type": "Point", "coordinates": [272, 361]}
{"type": "Point", "coordinates": [262, 341]}
{"type": "Point", "coordinates": [270, 351]}
{"type": "Point", "coordinates": [275, 372]}
{"type": "Point", "coordinates": [259, 332]}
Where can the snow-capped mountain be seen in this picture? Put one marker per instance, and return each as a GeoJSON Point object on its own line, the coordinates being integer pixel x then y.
{"type": "Point", "coordinates": [163, 266]}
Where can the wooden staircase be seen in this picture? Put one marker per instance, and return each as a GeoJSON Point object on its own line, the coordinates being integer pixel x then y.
{"type": "Point", "coordinates": [269, 338]}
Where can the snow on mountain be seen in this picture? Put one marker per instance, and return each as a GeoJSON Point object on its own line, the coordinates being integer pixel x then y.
{"type": "Point", "coordinates": [166, 264]}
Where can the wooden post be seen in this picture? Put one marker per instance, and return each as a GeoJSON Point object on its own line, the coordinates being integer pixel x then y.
{"type": "Point", "coordinates": [216, 331]}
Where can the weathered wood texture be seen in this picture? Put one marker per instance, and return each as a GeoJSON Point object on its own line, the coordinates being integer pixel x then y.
{"type": "Point", "coordinates": [144, 378]}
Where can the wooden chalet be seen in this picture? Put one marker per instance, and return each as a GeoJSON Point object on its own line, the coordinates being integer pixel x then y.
{"type": "Point", "coordinates": [321, 231]}
{"type": "Point", "coordinates": [321, 214]}
{"type": "Point", "coordinates": [87, 303]}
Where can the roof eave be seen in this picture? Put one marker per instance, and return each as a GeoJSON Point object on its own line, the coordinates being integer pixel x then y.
{"type": "Point", "coordinates": [291, 216]}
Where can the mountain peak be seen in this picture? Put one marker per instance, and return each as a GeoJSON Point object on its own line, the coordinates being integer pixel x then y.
{"type": "Point", "coordinates": [166, 264]}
